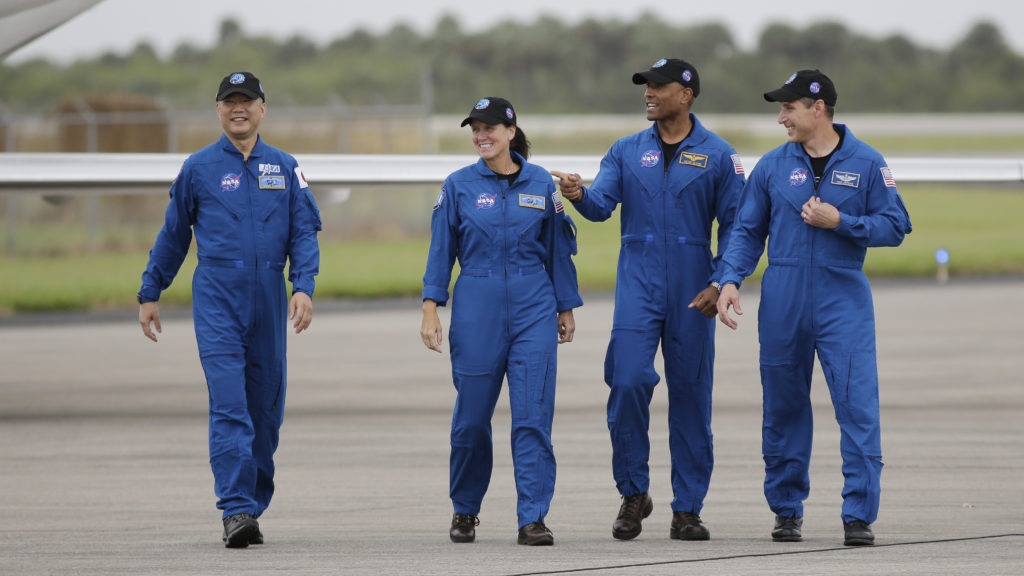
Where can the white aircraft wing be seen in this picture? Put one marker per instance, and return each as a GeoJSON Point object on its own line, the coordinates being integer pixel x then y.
{"type": "Point", "coordinates": [22, 21]}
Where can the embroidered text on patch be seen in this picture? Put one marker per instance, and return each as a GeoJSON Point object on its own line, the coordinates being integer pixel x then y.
{"type": "Point", "coordinates": [230, 182]}
{"type": "Point", "coordinates": [486, 201]}
{"type": "Point", "coordinates": [650, 158]}
{"type": "Point", "coordinates": [531, 201]}
{"type": "Point", "coordinates": [694, 159]}
{"type": "Point", "coordinates": [269, 182]}
{"type": "Point", "coordinates": [845, 179]}
{"type": "Point", "coordinates": [798, 177]}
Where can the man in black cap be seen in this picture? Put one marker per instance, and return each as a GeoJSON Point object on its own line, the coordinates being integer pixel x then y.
{"type": "Point", "coordinates": [673, 181]}
{"type": "Point", "coordinates": [252, 212]}
{"type": "Point", "coordinates": [823, 198]}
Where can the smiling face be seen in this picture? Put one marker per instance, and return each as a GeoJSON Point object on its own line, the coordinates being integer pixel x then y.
{"type": "Point", "coordinates": [800, 118]}
{"type": "Point", "coordinates": [492, 140]}
{"type": "Point", "coordinates": [666, 101]}
{"type": "Point", "coordinates": [240, 116]}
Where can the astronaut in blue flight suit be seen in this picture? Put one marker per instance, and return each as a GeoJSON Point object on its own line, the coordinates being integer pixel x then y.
{"type": "Point", "coordinates": [672, 180]}
{"type": "Point", "coordinates": [252, 212]}
{"type": "Point", "coordinates": [822, 198]}
{"type": "Point", "coordinates": [513, 301]}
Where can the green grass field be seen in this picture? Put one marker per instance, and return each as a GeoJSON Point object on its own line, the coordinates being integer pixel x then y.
{"type": "Point", "coordinates": [979, 226]}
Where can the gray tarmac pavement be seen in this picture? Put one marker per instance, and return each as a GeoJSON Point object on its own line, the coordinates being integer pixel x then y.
{"type": "Point", "coordinates": [104, 467]}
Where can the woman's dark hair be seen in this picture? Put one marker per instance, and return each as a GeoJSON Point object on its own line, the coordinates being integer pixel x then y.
{"type": "Point", "coordinates": [519, 143]}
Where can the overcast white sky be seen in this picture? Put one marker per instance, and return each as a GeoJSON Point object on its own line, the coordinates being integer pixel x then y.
{"type": "Point", "coordinates": [120, 24]}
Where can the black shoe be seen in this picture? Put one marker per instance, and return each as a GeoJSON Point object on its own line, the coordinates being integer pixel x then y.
{"type": "Point", "coordinates": [858, 533]}
{"type": "Point", "coordinates": [634, 509]}
{"type": "Point", "coordinates": [239, 530]}
{"type": "Point", "coordinates": [463, 527]}
{"type": "Point", "coordinates": [257, 538]}
{"type": "Point", "coordinates": [788, 529]}
{"type": "Point", "coordinates": [687, 526]}
{"type": "Point", "coordinates": [536, 534]}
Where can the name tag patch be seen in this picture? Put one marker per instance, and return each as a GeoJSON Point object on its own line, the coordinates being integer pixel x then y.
{"type": "Point", "coordinates": [531, 201]}
{"type": "Point", "coordinates": [272, 182]}
{"type": "Point", "coordinates": [845, 179]}
{"type": "Point", "coordinates": [692, 159]}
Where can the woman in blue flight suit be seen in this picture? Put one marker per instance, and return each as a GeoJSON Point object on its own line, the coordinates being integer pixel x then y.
{"type": "Point", "coordinates": [503, 220]}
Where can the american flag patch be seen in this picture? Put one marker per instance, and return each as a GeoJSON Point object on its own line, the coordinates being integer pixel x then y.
{"type": "Point", "coordinates": [887, 177]}
{"type": "Point", "coordinates": [557, 199]}
{"type": "Point", "coordinates": [737, 164]}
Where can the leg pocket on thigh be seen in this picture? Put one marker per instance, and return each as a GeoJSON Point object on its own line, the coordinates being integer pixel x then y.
{"type": "Point", "coordinates": [854, 387]}
{"type": "Point", "coordinates": [531, 385]}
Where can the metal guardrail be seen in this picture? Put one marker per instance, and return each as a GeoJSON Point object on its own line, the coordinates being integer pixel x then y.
{"type": "Point", "coordinates": [82, 173]}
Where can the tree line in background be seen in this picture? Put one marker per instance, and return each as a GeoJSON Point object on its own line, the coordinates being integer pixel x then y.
{"type": "Point", "coordinates": [545, 66]}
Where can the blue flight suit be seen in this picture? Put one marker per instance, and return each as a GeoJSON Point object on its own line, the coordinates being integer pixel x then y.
{"type": "Point", "coordinates": [250, 218]}
{"type": "Point", "coordinates": [665, 260]}
{"type": "Point", "coordinates": [816, 298]}
{"type": "Point", "coordinates": [514, 245]}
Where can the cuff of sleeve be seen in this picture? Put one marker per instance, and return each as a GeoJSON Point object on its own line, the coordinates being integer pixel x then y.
{"type": "Point", "coordinates": [300, 286]}
{"type": "Point", "coordinates": [844, 225]}
{"type": "Point", "coordinates": [147, 294]}
{"type": "Point", "coordinates": [569, 303]}
{"type": "Point", "coordinates": [730, 279]}
{"type": "Point", "coordinates": [439, 295]}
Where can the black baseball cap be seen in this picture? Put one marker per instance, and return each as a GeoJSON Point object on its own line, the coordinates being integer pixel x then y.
{"type": "Point", "coordinates": [492, 110]}
{"type": "Point", "coordinates": [241, 83]}
{"type": "Point", "coordinates": [811, 84]}
{"type": "Point", "coordinates": [669, 70]}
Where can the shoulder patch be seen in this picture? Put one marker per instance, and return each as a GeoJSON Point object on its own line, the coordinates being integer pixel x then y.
{"type": "Point", "coordinates": [440, 198]}
{"type": "Point", "coordinates": [887, 177]}
{"type": "Point", "coordinates": [737, 163]}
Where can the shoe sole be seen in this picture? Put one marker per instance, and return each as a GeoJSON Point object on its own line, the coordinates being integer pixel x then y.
{"type": "Point", "coordinates": [858, 542]}
{"type": "Point", "coordinates": [462, 539]}
{"type": "Point", "coordinates": [788, 539]}
{"type": "Point", "coordinates": [623, 535]}
{"type": "Point", "coordinates": [541, 541]}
